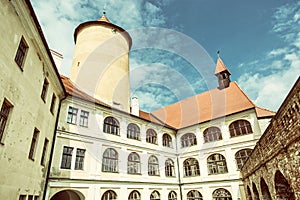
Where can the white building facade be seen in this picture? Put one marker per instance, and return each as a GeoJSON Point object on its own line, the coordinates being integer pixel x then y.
{"type": "Point", "coordinates": [103, 151]}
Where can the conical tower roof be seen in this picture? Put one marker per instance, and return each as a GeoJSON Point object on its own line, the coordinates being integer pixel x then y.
{"type": "Point", "coordinates": [220, 67]}
{"type": "Point", "coordinates": [104, 18]}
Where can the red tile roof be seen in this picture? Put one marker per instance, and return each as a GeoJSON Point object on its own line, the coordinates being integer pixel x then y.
{"type": "Point", "coordinates": [206, 106]}
{"type": "Point", "coordinates": [200, 108]}
{"type": "Point", "coordinates": [73, 91]}
{"type": "Point", "coordinates": [262, 112]}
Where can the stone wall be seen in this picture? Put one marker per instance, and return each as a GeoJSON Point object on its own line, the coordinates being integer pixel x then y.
{"type": "Point", "coordinates": [274, 165]}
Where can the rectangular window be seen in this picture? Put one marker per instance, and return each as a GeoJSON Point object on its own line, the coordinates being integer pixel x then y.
{"type": "Point", "coordinates": [66, 158]}
{"type": "Point", "coordinates": [30, 197]}
{"type": "Point", "coordinates": [33, 144]}
{"type": "Point", "coordinates": [84, 116]}
{"type": "Point", "coordinates": [22, 197]}
{"type": "Point", "coordinates": [79, 159]}
{"type": "Point", "coordinates": [43, 159]}
{"type": "Point", "coordinates": [72, 115]}
{"type": "Point", "coordinates": [36, 197]}
{"type": "Point", "coordinates": [21, 53]}
{"type": "Point", "coordinates": [44, 89]}
{"type": "Point", "coordinates": [53, 103]}
{"type": "Point", "coordinates": [5, 110]}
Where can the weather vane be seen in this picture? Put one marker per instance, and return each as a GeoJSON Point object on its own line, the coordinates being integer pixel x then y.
{"type": "Point", "coordinates": [218, 52]}
{"type": "Point", "coordinates": [104, 9]}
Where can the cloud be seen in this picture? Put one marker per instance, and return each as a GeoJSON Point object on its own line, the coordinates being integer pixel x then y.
{"type": "Point", "coordinates": [279, 69]}
{"type": "Point", "coordinates": [60, 18]}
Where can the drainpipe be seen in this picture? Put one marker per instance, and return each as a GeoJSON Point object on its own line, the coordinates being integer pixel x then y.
{"type": "Point", "coordinates": [52, 148]}
{"type": "Point", "coordinates": [177, 156]}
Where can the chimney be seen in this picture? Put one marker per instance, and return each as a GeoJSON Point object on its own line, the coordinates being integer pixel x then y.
{"type": "Point", "coordinates": [58, 58]}
{"type": "Point", "coordinates": [135, 108]}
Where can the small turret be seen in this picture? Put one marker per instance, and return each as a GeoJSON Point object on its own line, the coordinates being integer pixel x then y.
{"type": "Point", "coordinates": [223, 74]}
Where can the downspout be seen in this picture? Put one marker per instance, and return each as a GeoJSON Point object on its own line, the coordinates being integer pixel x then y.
{"type": "Point", "coordinates": [179, 182]}
{"type": "Point", "coordinates": [52, 148]}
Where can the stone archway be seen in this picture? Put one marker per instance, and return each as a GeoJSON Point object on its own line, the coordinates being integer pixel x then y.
{"type": "Point", "coordinates": [255, 192]}
{"type": "Point", "coordinates": [265, 190]}
{"type": "Point", "coordinates": [68, 195]}
{"type": "Point", "coordinates": [282, 187]}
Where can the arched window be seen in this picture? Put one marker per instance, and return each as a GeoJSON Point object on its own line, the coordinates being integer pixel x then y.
{"type": "Point", "coordinates": [191, 167]}
{"type": "Point", "coordinates": [265, 190]}
{"type": "Point", "coordinates": [241, 157]}
{"type": "Point", "coordinates": [212, 134]}
{"type": "Point", "coordinates": [169, 168]}
{"type": "Point", "coordinates": [133, 132]}
{"type": "Point", "coordinates": [111, 125]}
{"type": "Point", "coordinates": [249, 195]}
{"type": "Point", "coordinates": [240, 127]}
{"type": "Point", "coordinates": [134, 195]}
{"type": "Point", "coordinates": [255, 192]}
{"type": "Point", "coordinates": [194, 195]}
{"type": "Point", "coordinates": [65, 195]}
{"type": "Point", "coordinates": [155, 195]}
{"type": "Point", "coordinates": [172, 195]}
{"type": "Point", "coordinates": [216, 164]}
{"type": "Point", "coordinates": [110, 160]}
{"type": "Point", "coordinates": [282, 187]}
{"type": "Point", "coordinates": [221, 194]}
{"type": "Point", "coordinates": [167, 140]}
{"type": "Point", "coordinates": [109, 195]}
{"type": "Point", "coordinates": [153, 166]}
{"type": "Point", "coordinates": [134, 164]}
{"type": "Point", "coordinates": [188, 139]}
{"type": "Point", "coordinates": [151, 136]}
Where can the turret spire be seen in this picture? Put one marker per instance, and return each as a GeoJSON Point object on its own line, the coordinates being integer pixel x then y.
{"type": "Point", "coordinates": [104, 18]}
{"type": "Point", "coordinates": [222, 73]}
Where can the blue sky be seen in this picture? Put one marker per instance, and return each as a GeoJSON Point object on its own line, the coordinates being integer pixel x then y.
{"type": "Point", "coordinates": [175, 44]}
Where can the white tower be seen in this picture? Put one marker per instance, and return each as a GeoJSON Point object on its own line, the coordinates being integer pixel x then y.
{"type": "Point", "coordinates": [101, 62]}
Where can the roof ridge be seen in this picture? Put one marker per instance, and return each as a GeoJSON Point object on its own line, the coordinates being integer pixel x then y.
{"type": "Point", "coordinates": [244, 93]}
{"type": "Point", "coordinates": [264, 109]}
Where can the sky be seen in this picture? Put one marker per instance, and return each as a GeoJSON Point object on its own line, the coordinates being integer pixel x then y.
{"type": "Point", "coordinates": [175, 43]}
